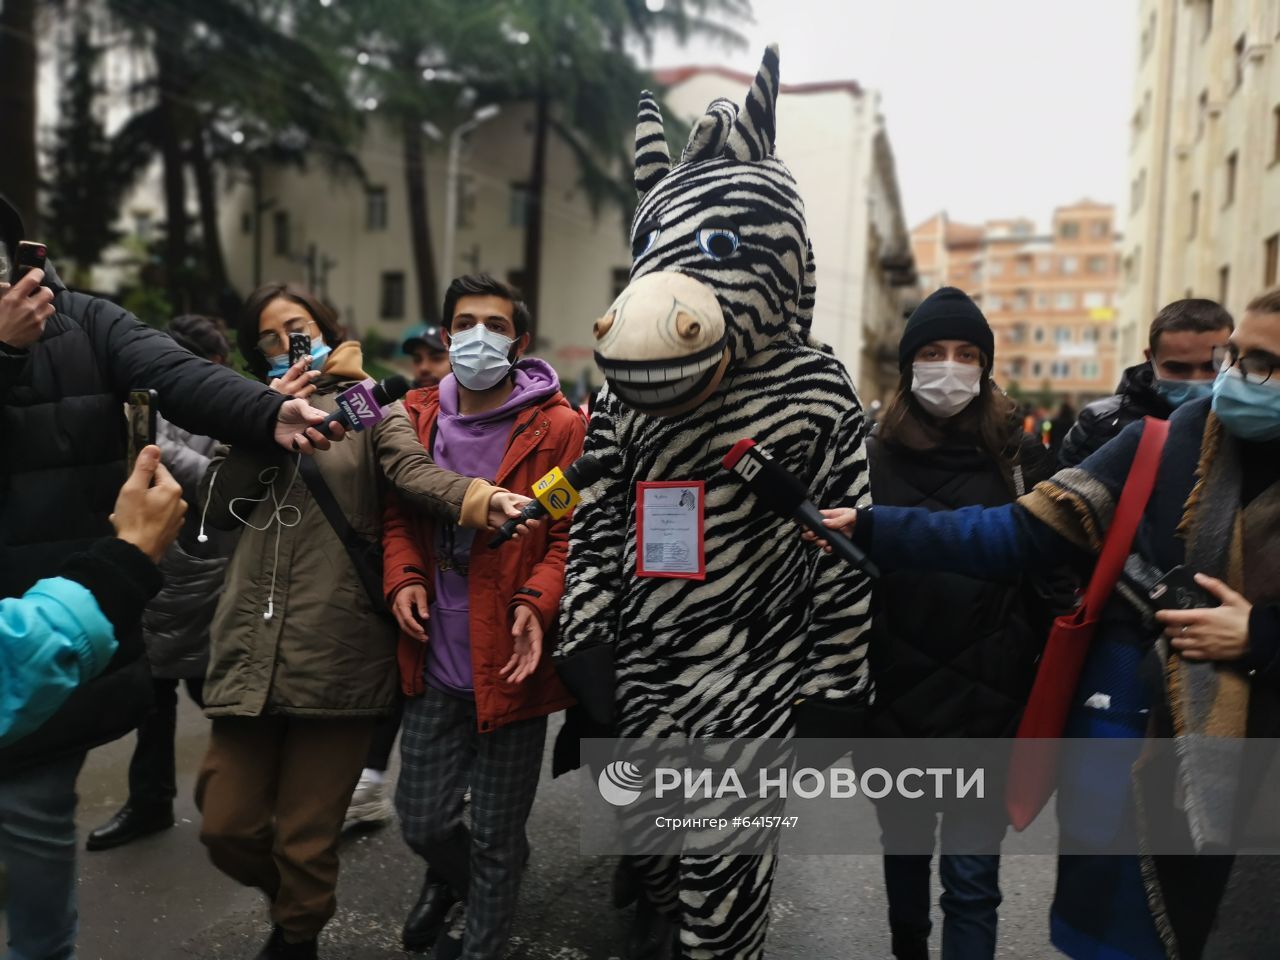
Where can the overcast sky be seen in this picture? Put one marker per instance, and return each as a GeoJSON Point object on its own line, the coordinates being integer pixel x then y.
{"type": "Point", "coordinates": [995, 108]}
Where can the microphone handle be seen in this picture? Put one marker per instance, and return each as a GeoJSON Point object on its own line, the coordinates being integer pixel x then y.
{"type": "Point", "coordinates": [809, 516]}
{"type": "Point", "coordinates": [336, 417]}
{"type": "Point", "coordinates": [533, 510]}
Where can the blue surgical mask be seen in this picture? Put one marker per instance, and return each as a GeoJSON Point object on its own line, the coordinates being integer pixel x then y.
{"type": "Point", "coordinates": [1178, 392]}
{"type": "Point", "coordinates": [279, 364]}
{"type": "Point", "coordinates": [1248, 411]}
{"type": "Point", "coordinates": [480, 357]}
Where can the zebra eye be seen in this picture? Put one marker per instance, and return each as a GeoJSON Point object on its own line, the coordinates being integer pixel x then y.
{"type": "Point", "coordinates": [718, 238]}
{"type": "Point", "coordinates": [645, 238]}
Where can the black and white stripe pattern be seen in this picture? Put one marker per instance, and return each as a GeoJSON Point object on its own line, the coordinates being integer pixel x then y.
{"type": "Point", "coordinates": [774, 620]}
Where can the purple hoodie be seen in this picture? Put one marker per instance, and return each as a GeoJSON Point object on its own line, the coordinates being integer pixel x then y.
{"type": "Point", "coordinates": [473, 446]}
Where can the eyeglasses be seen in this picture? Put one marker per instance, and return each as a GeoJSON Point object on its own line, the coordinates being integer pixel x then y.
{"type": "Point", "coordinates": [269, 343]}
{"type": "Point", "coordinates": [1256, 368]}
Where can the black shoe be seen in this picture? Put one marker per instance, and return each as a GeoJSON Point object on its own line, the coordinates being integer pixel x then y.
{"type": "Point", "coordinates": [278, 948]}
{"type": "Point", "coordinates": [652, 935]}
{"type": "Point", "coordinates": [449, 946]}
{"type": "Point", "coordinates": [910, 945]}
{"type": "Point", "coordinates": [427, 918]}
{"type": "Point", "coordinates": [129, 824]}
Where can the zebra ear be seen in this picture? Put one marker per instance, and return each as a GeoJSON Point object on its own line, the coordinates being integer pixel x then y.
{"type": "Point", "coordinates": [653, 159]}
{"type": "Point", "coordinates": [709, 135]}
{"type": "Point", "coordinates": [755, 129]}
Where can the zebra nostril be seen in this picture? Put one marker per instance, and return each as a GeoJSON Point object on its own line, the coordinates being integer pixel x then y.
{"type": "Point", "coordinates": [602, 326]}
{"type": "Point", "coordinates": [687, 327]}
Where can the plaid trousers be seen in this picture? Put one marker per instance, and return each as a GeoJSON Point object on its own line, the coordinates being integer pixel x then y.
{"type": "Point", "coordinates": [442, 753]}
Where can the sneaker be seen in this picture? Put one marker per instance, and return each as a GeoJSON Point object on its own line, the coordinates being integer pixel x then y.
{"type": "Point", "coordinates": [369, 803]}
{"type": "Point", "coordinates": [449, 946]}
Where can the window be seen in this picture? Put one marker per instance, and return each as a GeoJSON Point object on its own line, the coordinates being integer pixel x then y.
{"type": "Point", "coordinates": [1088, 371]}
{"type": "Point", "coordinates": [1096, 265]}
{"type": "Point", "coordinates": [1202, 112]}
{"type": "Point", "coordinates": [281, 221]}
{"type": "Point", "coordinates": [1045, 265]}
{"type": "Point", "coordinates": [375, 208]}
{"type": "Point", "coordinates": [1239, 75]}
{"type": "Point", "coordinates": [1233, 164]}
{"type": "Point", "coordinates": [518, 205]}
{"type": "Point", "coordinates": [995, 267]}
{"type": "Point", "coordinates": [1060, 369]}
{"type": "Point", "coordinates": [142, 225]}
{"type": "Point", "coordinates": [1275, 135]}
{"type": "Point", "coordinates": [1020, 301]}
{"type": "Point", "coordinates": [1070, 265]}
{"type": "Point", "coordinates": [993, 304]}
{"type": "Point", "coordinates": [1094, 299]}
{"type": "Point", "coordinates": [1039, 335]}
{"type": "Point", "coordinates": [1207, 27]}
{"type": "Point", "coordinates": [619, 278]}
{"type": "Point", "coordinates": [1089, 335]}
{"type": "Point", "coordinates": [1270, 254]}
{"type": "Point", "coordinates": [1194, 214]}
{"type": "Point", "coordinates": [1042, 301]}
{"type": "Point", "coordinates": [1069, 230]}
{"type": "Point", "coordinates": [1037, 368]}
{"type": "Point", "coordinates": [1024, 266]}
{"type": "Point", "coordinates": [1137, 191]}
{"type": "Point", "coordinates": [1101, 229]}
{"type": "Point", "coordinates": [1224, 284]}
{"type": "Point", "coordinates": [1062, 335]}
{"type": "Point", "coordinates": [391, 304]}
{"type": "Point", "coordinates": [1065, 301]}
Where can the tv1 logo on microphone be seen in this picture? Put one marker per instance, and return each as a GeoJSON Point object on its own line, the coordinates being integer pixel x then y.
{"type": "Point", "coordinates": [359, 407]}
{"type": "Point", "coordinates": [556, 494]}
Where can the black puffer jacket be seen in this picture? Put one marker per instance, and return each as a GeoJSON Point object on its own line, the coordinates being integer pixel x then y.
{"type": "Point", "coordinates": [1104, 419]}
{"type": "Point", "coordinates": [62, 452]}
{"type": "Point", "coordinates": [951, 655]}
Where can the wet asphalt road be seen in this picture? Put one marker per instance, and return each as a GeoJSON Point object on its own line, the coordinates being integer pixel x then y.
{"type": "Point", "coordinates": [159, 899]}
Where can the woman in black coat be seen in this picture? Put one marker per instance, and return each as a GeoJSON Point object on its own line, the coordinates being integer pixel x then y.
{"type": "Point", "coordinates": [951, 655]}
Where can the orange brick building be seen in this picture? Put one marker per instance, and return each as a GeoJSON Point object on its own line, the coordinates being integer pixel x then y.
{"type": "Point", "coordinates": [1049, 298]}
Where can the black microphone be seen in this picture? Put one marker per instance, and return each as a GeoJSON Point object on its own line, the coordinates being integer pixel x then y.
{"type": "Point", "coordinates": [784, 494]}
{"type": "Point", "coordinates": [553, 496]}
{"type": "Point", "coordinates": [361, 406]}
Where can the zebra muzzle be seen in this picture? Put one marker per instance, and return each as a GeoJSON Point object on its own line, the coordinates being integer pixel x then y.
{"type": "Point", "coordinates": [663, 345]}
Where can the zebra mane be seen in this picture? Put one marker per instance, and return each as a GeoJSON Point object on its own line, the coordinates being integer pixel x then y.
{"type": "Point", "coordinates": [745, 134]}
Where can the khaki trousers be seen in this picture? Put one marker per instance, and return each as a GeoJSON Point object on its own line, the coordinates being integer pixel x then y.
{"type": "Point", "coordinates": [273, 792]}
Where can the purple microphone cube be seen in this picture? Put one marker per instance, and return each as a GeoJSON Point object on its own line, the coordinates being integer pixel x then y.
{"type": "Point", "coordinates": [359, 407]}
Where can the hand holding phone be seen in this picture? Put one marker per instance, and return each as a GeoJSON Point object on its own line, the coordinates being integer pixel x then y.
{"type": "Point", "coordinates": [1178, 590]}
{"type": "Point", "coordinates": [30, 255]}
{"type": "Point", "coordinates": [299, 348]}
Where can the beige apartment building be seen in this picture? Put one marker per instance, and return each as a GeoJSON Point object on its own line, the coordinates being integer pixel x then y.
{"type": "Point", "coordinates": [1204, 160]}
{"type": "Point", "coordinates": [1050, 298]}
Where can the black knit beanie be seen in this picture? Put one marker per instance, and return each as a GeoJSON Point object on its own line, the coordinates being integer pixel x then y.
{"type": "Point", "coordinates": [946, 314]}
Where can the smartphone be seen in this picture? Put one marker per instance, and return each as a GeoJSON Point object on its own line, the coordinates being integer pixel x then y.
{"type": "Point", "coordinates": [30, 255]}
{"type": "Point", "coordinates": [142, 424]}
{"type": "Point", "coordinates": [1178, 590]}
{"type": "Point", "coordinates": [299, 347]}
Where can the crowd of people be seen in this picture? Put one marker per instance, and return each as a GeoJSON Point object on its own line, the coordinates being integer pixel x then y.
{"type": "Point", "coordinates": [323, 593]}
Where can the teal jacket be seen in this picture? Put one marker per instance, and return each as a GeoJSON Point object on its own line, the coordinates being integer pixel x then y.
{"type": "Point", "coordinates": [62, 632]}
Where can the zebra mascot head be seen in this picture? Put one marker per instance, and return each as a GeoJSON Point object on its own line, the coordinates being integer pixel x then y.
{"type": "Point", "coordinates": [721, 259]}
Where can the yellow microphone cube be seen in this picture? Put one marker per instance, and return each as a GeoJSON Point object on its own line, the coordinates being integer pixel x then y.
{"type": "Point", "coordinates": [556, 494]}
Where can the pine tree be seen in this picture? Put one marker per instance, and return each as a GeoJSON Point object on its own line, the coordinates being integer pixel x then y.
{"type": "Point", "coordinates": [84, 192]}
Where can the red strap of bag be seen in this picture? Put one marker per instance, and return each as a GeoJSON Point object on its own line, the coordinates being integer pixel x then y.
{"type": "Point", "coordinates": [1033, 758]}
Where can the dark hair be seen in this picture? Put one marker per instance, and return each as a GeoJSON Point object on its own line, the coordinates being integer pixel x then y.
{"type": "Point", "coordinates": [251, 314]}
{"type": "Point", "coordinates": [1196, 316]}
{"type": "Point", "coordinates": [991, 418]}
{"type": "Point", "coordinates": [1268, 302]}
{"type": "Point", "coordinates": [483, 285]}
{"type": "Point", "coordinates": [201, 335]}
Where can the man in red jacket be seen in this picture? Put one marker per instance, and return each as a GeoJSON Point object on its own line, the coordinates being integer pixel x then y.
{"type": "Point", "coordinates": [472, 655]}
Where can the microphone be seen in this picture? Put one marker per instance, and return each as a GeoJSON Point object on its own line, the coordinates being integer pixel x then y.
{"type": "Point", "coordinates": [785, 495]}
{"type": "Point", "coordinates": [361, 406]}
{"type": "Point", "coordinates": [554, 495]}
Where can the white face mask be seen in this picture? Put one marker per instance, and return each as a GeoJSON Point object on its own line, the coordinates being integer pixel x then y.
{"type": "Point", "coordinates": [480, 357]}
{"type": "Point", "coordinates": [945, 388]}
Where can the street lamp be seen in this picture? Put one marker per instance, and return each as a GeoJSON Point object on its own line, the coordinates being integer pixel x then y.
{"type": "Point", "coordinates": [487, 112]}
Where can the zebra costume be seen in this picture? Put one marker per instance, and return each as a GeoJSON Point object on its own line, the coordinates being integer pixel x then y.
{"type": "Point", "coordinates": [709, 344]}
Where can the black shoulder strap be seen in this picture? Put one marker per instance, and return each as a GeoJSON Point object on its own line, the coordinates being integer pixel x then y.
{"type": "Point", "coordinates": [359, 549]}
